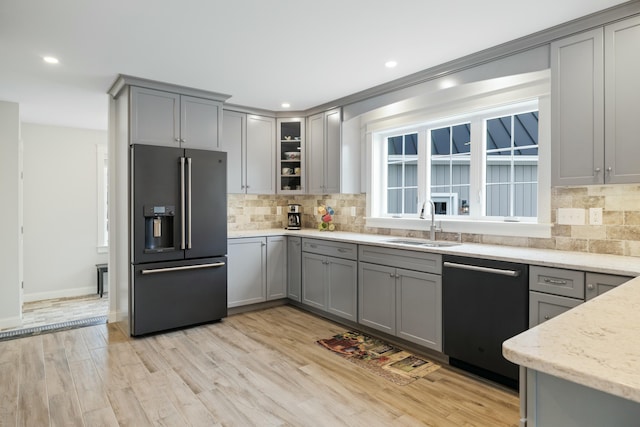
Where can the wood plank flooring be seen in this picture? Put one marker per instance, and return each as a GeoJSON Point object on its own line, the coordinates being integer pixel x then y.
{"type": "Point", "coordinates": [261, 368]}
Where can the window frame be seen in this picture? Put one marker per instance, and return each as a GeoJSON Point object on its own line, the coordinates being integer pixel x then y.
{"type": "Point", "coordinates": [466, 110]}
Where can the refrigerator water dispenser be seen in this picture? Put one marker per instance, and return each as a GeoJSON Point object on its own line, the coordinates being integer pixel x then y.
{"type": "Point", "coordinates": [158, 228]}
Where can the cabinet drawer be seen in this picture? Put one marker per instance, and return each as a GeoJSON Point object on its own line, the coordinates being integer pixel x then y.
{"type": "Point", "coordinates": [402, 258]}
{"type": "Point", "coordinates": [568, 283]}
{"type": "Point", "coordinates": [543, 307]}
{"type": "Point", "coordinates": [334, 249]}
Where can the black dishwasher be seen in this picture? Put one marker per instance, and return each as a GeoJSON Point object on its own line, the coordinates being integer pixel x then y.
{"type": "Point", "coordinates": [485, 302]}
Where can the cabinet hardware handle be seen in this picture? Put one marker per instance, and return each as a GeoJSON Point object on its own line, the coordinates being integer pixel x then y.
{"type": "Point", "coordinates": [313, 246]}
{"type": "Point", "coordinates": [590, 286]}
{"type": "Point", "coordinates": [547, 317]}
{"type": "Point", "coordinates": [176, 139]}
{"type": "Point", "coordinates": [342, 250]}
{"type": "Point", "coordinates": [392, 275]}
{"type": "Point", "coordinates": [609, 170]}
{"type": "Point", "coordinates": [597, 171]}
{"type": "Point", "coordinates": [555, 281]}
{"type": "Point", "coordinates": [397, 276]}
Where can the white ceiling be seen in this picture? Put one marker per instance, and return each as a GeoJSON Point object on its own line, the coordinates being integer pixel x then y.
{"type": "Point", "coordinates": [261, 52]}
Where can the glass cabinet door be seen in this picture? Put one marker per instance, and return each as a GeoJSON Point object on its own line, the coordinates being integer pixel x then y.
{"type": "Point", "coordinates": [290, 156]}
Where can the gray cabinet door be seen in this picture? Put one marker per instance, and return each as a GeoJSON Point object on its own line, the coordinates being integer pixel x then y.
{"type": "Point", "coordinates": [598, 284]}
{"type": "Point", "coordinates": [247, 273]}
{"type": "Point", "coordinates": [294, 267]}
{"type": "Point", "coordinates": [313, 280]}
{"type": "Point", "coordinates": [199, 123]}
{"type": "Point", "coordinates": [419, 308]}
{"type": "Point", "coordinates": [333, 137]}
{"type": "Point", "coordinates": [276, 267]}
{"type": "Point", "coordinates": [577, 121]}
{"type": "Point", "coordinates": [342, 284]}
{"type": "Point", "coordinates": [377, 297]}
{"type": "Point", "coordinates": [622, 101]}
{"type": "Point", "coordinates": [543, 307]}
{"type": "Point", "coordinates": [155, 117]}
{"type": "Point", "coordinates": [315, 154]}
{"type": "Point", "coordinates": [261, 155]}
{"type": "Point", "coordinates": [323, 152]}
{"type": "Point", "coordinates": [233, 142]}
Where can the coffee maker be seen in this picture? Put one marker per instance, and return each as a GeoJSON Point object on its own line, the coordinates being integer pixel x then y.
{"type": "Point", "coordinates": [293, 217]}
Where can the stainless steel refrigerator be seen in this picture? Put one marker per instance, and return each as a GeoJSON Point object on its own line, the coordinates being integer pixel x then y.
{"type": "Point", "coordinates": [178, 236]}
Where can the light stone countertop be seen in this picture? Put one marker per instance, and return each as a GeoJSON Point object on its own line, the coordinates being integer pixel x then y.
{"type": "Point", "coordinates": [596, 263]}
{"type": "Point", "coordinates": [595, 344]}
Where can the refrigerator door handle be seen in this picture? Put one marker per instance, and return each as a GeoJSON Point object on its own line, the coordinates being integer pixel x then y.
{"type": "Point", "coordinates": [182, 204]}
{"type": "Point", "coordinates": [186, 267]}
{"type": "Point", "coordinates": [189, 204]}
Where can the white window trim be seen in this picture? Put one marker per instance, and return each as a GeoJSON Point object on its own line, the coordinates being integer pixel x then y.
{"type": "Point", "coordinates": [513, 90]}
{"type": "Point", "coordinates": [101, 184]}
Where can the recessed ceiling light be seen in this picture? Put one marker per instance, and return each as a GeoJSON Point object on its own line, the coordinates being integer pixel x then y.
{"type": "Point", "coordinates": [286, 105]}
{"type": "Point", "coordinates": [390, 64]}
{"type": "Point", "coordinates": [50, 60]}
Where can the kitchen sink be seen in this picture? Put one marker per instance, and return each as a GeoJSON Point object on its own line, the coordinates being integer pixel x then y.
{"type": "Point", "coordinates": [423, 243]}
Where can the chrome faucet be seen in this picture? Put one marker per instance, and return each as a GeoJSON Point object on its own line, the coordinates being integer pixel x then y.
{"type": "Point", "coordinates": [432, 228]}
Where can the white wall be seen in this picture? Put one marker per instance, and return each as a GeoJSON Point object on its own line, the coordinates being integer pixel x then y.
{"type": "Point", "coordinates": [10, 257]}
{"type": "Point", "coordinates": [60, 211]}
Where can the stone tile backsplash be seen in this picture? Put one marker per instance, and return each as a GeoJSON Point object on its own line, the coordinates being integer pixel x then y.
{"type": "Point", "coordinates": [619, 234]}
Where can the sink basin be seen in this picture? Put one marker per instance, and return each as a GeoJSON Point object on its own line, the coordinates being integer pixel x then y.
{"type": "Point", "coordinates": [423, 243]}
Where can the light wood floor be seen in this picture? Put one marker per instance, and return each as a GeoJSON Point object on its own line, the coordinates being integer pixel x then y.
{"type": "Point", "coordinates": [253, 369]}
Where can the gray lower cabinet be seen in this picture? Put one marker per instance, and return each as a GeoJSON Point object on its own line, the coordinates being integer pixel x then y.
{"type": "Point", "coordinates": [257, 270]}
{"type": "Point", "coordinates": [294, 268]}
{"type": "Point", "coordinates": [329, 282]}
{"type": "Point", "coordinates": [401, 301]}
{"type": "Point", "coordinates": [543, 307]}
{"type": "Point", "coordinates": [276, 267]}
{"type": "Point", "coordinates": [247, 271]}
{"type": "Point", "coordinates": [597, 283]}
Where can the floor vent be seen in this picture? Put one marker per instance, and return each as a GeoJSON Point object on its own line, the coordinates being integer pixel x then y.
{"type": "Point", "coordinates": [56, 327]}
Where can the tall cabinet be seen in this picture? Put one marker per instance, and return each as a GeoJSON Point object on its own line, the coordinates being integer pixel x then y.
{"type": "Point", "coordinates": [249, 141]}
{"type": "Point", "coordinates": [595, 92]}
{"type": "Point", "coordinates": [323, 152]}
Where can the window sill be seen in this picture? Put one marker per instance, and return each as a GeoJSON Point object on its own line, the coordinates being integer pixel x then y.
{"type": "Point", "coordinates": [451, 225]}
{"type": "Point", "coordinates": [103, 249]}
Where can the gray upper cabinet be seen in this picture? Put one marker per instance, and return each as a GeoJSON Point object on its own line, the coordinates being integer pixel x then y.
{"type": "Point", "coordinates": [577, 121]}
{"type": "Point", "coordinates": [249, 141]}
{"type": "Point", "coordinates": [595, 92]}
{"type": "Point", "coordinates": [622, 101]}
{"type": "Point", "coordinates": [174, 120]}
{"type": "Point", "coordinates": [323, 152]}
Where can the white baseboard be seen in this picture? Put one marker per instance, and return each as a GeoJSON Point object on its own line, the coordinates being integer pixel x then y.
{"type": "Point", "coordinates": [64, 293]}
{"type": "Point", "coordinates": [10, 322]}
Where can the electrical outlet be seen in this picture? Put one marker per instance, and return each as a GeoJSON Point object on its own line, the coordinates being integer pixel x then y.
{"type": "Point", "coordinates": [571, 216]}
{"type": "Point", "coordinates": [353, 211]}
{"type": "Point", "coordinates": [279, 210]}
{"type": "Point", "coordinates": [595, 216]}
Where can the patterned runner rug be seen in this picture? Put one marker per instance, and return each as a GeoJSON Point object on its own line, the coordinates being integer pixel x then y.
{"type": "Point", "coordinates": [379, 357]}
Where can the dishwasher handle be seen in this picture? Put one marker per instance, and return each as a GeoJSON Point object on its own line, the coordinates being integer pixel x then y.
{"type": "Point", "coordinates": [510, 273]}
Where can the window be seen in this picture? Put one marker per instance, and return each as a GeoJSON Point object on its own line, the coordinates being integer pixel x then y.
{"type": "Point", "coordinates": [492, 154]}
{"type": "Point", "coordinates": [402, 174]}
{"type": "Point", "coordinates": [450, 167]}
{"type": "Point", "coordinates": [512, 165]}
